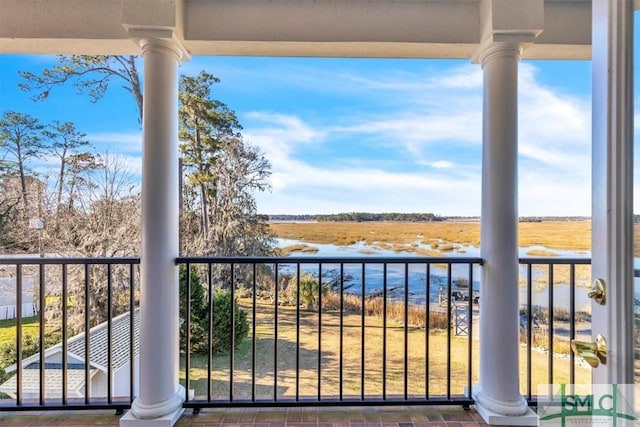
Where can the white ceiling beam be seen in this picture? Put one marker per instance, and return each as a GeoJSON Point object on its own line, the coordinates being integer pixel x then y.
{"type": "Point", "coordinates": [373, 28]}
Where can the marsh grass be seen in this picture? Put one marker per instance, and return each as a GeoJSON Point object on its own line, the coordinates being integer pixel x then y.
{"type": "Point", "coordinates": [301, 247]}
{"type": "Point", "coordinates": [540, 340]}
{"type": "Point", "coordinates": [561, 275]}
{"type": "Point", "coordinates": [416, 316]}
{"type": "Point", "coordinates": [541, 253]}
{"type": "Point", "coordinates": [319, 346]}
{"type": "Point", "coordinates": [571, 235]}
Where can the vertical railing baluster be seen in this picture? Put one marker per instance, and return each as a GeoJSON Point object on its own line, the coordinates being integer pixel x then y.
{"type": "Point", "coordinates": [187, 332]}
{"type": "Point", "coordinates": [406, 331]}
{"type": "Point", "coordinates": [297, 331]}
{"type": "Point", "coordinates": [275, 337]}
{"type": "Point", "coordinates": [470, 329]}
{"type": "Point", "coordinates": [550, 355]}
{"type": "Point", "coordinates": [427, 327]}
{"type": "Point", "coordinates": [210, 329]}
{"type": "Point", "coordinates": [572, 321]}
{"type": "Point", "coordinates": [319, 332]}
{"type": "Point", "coordinates": [253, 335]}
{"type": "Point", "coordinates": [341, 326]}
{"type": "Point", "coordinates": [132, 335]}
{"type": "Point", "coordinates": [65, 298]}
{"type": "Point", "coordinates": [449, 309]}
{"type": "Point", "coordinates": [109, 336]}
{"type": "Point", "coordinates": [41, 291]}
{"type": "Point", "coordinates": [19, 334]}
{"type": "Point", "coordinates": [87, 343]}
{"type": "Point", "coordinates": [384, 331]}
{"type": "Point", "coordinates": [232, 338]}
{"type": "Point", "coordinates": [363, 310]}
{"type": "Point", "coordinates": [529, 329]}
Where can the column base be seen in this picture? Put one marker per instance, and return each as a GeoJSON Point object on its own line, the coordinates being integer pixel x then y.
{"type": "Point", "coordinates": [162, 414]}
{"type": "Point", "coordinates": [495, 412]}
{"type": "Point", "coordinates": [169, 420]}
{"type": "Point", "coordinates": [530, 418]}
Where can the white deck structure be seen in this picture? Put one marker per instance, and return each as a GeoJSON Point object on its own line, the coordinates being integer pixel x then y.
{"type": "Point", "coordinates": [496, 34]}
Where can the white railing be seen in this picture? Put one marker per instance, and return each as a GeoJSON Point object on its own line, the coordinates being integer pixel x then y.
{"type": "Point", "coordinates": [29, 309]}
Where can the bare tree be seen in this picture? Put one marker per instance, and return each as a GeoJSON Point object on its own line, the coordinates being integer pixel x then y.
{"type": "Point", "coordinates": [105, 222]}
{"type": "Point", "coordinates": [237, 229]}
{"type": "Point", "coordinates": [15, 234]}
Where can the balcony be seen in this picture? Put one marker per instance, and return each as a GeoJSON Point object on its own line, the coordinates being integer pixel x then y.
{"type": "Point", "coordinates": [386, 333]}
{"type": "Point", "coordinates": [494, 37]}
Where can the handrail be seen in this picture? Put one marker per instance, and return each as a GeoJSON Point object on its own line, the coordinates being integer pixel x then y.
{"type": "Point", "coordinates": [327, 260]}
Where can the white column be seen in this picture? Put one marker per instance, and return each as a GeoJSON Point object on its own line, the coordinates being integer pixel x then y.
{"type": "Point", "coordinates": [612, 185]}
{"type": "Point", "coordinates": [160, 396]}
{"type": "Point", "coordinates": [497, 394]}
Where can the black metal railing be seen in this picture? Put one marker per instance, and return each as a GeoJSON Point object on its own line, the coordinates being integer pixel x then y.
{"type": "Point", "coordinates": [550, 318]}
{"type": "Point", "coordinates": [331, 331]}
{"type": "Point", "coordinates": [310, 331]}
{"type": "Point", "coordinates": [82, 327]}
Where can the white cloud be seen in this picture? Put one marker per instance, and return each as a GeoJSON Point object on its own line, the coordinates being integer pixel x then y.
{"type": "Point", "coordinates": [322, 187]}
{"type": "Point", "coordinates": [122, 142]}
{"type": "Point", "coordinates": [554, 147]}
{"type": "Point", "coordinates": [555, 128]}
{"type": "Point", "coordinates": [442, 164]}
{"type": "Point", "coordinates": [467, 77]}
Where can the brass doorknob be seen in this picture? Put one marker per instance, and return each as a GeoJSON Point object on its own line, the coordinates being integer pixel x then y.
{"type": "Point", "coordinates": [593, 353]}
{"type": "Point", "coordinates": [598, 291]}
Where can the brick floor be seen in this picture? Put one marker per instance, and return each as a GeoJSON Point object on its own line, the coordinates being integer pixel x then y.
{"type": "Point", "coordinates": [429, 416]}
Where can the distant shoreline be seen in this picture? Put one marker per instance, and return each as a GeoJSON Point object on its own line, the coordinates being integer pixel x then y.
{"type": "Point", "coordinates": [404, 217]}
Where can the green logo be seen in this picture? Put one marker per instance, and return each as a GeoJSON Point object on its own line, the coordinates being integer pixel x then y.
{"type": "Point", "coordinates": [608, 404]}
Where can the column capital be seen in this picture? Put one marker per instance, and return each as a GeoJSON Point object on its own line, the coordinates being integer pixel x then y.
{"type": "Point", "coordinates": [155, 25]}
{"type": "Point", "coordinates": [159, 40]}
{"type": "Point", "coordinates": [493, 50]}
{"type": "Point", "coordinates": [506, 25]}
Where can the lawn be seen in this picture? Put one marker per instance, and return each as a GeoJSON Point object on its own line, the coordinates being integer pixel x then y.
{"type": "Point", "coordinates": [351, 360]}
{"type": "Point", "coordinates": [30, 326]}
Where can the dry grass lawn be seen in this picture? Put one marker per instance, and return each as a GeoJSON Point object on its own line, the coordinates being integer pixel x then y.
{"type": "Point", "coordinates": [418, 358]}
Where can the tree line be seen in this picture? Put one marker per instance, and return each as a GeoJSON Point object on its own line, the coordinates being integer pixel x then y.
{"type": "Point", "coordinates": [361, 217]}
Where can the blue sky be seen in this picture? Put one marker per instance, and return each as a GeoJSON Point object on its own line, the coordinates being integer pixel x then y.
{"type": "Point", "coordinates": [365, 134]}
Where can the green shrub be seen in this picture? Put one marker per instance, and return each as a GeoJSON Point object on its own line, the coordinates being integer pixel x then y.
{"type": "Point", "coordinates": [198, 312]}
{"type": "Point", "coordinates": [199, 317]}
{"type": "Point", "coordinates": [221, 339]}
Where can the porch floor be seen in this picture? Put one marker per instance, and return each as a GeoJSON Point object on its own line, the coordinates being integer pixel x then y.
{"type": "Point", "coordinates": [402, 416]}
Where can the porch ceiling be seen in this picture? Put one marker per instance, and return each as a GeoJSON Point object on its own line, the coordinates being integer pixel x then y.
{"type": "Point", "coordinates": [348, 28]}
